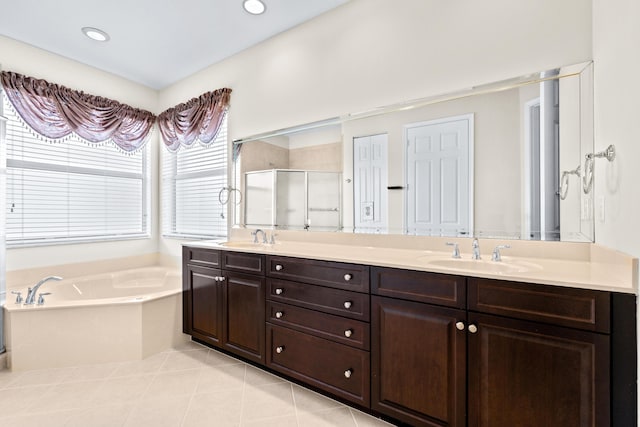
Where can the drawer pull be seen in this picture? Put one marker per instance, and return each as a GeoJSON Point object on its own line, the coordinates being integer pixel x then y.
{"type": "Point", "coordinates": [279, 267]}
{"type": "Point", "coordinates": [348, 277]}
{"type": "Point", "coordinates": [279, 349]}
{"type": "Point", "coordinates": [348, 333]}
{"type": "Point", "coordinates": [279, 291]}
{"type": "Point", "coordinates": [460, 326]}
{"type": "Point", "coordinates": [473, 328]}
{"type": "Point", "coordinates": [279, 314]}
{"type": "Point", "coordinates": [347, 373]}
{"type": "Point", "coordinates": [347, 304]}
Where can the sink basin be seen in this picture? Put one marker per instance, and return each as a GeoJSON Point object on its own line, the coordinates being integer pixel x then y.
{"type": "Point", "coordinates": [484, 266]}
{"type": "Point", "coordinates": [243, 245]}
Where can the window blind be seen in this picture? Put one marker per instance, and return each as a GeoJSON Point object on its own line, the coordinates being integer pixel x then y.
{"type": "Point", "coordinates": [192, 179]}
{"type": "Point", "coordinates": [69, 191]}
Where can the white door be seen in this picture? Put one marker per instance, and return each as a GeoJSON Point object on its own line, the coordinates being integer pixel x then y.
{"type": "Point", "coordinates": [439, 172]}
{"type": "Point", "coordinates": [370, 183]}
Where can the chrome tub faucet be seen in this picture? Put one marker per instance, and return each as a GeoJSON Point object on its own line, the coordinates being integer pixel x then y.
{"type": "Point", "coordinates": [31, 294]}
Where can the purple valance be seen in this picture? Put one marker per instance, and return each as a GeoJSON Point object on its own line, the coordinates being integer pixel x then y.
{"type": "Point", "coordinates": [198, 119]}
{"type": "Point", "coordinates": [56, 111]}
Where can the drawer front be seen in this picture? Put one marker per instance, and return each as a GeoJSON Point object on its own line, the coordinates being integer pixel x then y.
{"type": "Point", "coordinates": [574, 308]}
{"type": "Point", "coordinates": [352, 277]}
{"type": "Point", "coordinates": [345, 331]}
{"type": "Point", "coordinates": [336, 368]}
{"type": "Point", "coordinates": [328, 300]}
{"type": "Point", "coordinates": [441, 289]}
{"type": "Point", "coordinates": [244, 262]}
{"type": "Point", "coordinates": [206, 257]}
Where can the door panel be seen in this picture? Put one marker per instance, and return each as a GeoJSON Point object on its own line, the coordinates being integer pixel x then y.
{"type": "Point", "coordinates": [529, 374]}
{"type": "Point", "coordinates": [418, 362]}
{"type": "Point", "coordinates": [438, 177]}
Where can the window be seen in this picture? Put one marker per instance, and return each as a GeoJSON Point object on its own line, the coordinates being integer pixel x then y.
{"type": "Point", "coordinates": [71, 191]}
{"type": "Point", "coordinates": [192, 181]}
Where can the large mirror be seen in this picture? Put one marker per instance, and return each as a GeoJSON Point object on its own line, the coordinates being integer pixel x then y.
{"type": "Point", "coordinates": [500, 160]}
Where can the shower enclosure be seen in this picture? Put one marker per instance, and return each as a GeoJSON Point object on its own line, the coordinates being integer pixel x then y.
{"type": "Point", "coordinates": [293, 199]}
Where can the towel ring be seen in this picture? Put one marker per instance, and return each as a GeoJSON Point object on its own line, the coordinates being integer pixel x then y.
{"type": "Point", "coordinates": [564, 181]}
{"type": "Point", "coordinates": [225, 193]}
{"type": "Point", "coordinates": [587, 178]}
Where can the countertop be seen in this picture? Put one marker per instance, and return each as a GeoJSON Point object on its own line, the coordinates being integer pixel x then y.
{"type": "Point", "coordinates": [596, 268]}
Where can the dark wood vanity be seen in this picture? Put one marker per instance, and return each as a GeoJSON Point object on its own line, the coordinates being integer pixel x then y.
{"type": "Point", "coordinates": [420, 348]}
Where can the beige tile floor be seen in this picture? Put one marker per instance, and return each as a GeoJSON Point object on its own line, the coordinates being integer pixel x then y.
{"type": "Point", "coordinates": [191, 386]}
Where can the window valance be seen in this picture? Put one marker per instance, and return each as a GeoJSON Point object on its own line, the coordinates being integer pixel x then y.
{"type": "Point", "coordinates": [198, 119]}
{"type": "Point", "coordinates": [55, 112]}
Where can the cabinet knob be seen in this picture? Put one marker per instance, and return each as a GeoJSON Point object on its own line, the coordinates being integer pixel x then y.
{"type": "Point", "coordinates": [279, 267]}
{"type": "Point", "coordinates": [348, 277]}
{"type": "Point", "coordinates": [347, 373]}
{"type": "Point", "coordinates": [279, 314]}
{"type": "Point", "coordinates": [347, 304]}
{"type": "Point", "coordinates": [279, 349]}
{"type": "Point", "coordinates": [222, 278]}
{"type": "Point", "coordinates": [460, 326]}
{"type": "Point", "coordinates": [279, 291]}
{"type": "Point", "coordinates": [348, 333]}
{"type": "Point", "coordinates": [473, 328]}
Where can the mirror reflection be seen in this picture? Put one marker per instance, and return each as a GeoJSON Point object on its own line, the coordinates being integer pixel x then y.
{"type": "Point", "coordinates": [496, 161]}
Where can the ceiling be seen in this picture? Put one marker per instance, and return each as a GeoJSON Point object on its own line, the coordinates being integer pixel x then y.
{"type": "Point", "coordinates": [153, 42]}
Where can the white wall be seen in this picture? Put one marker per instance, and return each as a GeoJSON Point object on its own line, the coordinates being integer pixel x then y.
{"type": "Point", "coordinates": [30, 61]}
{"type": "Point", "coordinates": [369, 53]}
{"type": "Point", "coordinates": [616, 55]}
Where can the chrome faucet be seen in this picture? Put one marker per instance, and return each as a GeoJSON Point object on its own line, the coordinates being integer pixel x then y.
{"type": "Point", "coordinates": [31, 294]}
{"type": "Point", "coordinates": [456, 250]}
{"type": "Point", "coordinates": [255, 236]}
{"type": "Point", "coordinates": [495, 256]}
{"type": "Point", "coordinates": [475, 246]}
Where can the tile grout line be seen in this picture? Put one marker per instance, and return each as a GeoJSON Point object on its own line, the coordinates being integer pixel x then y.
{"type": "Point", "coordinates": [242, 400]}
{"type": "Point", "coordinates": [295, 405]}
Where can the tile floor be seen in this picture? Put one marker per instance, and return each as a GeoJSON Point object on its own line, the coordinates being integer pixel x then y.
{"type": "Point", "coordinates": [191, 386]}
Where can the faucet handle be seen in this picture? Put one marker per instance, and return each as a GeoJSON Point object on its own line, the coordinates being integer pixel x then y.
{"type": "Point", "coordinates": [495, 256]}
{"type": "Point", "coordinates": [456, 249]}
{"type": "Point", "coordinates": [41, 297]}
{"type": "Point", "coordinates": [18, 295]}
{"type": "Point", "coordinates": [272, 241]}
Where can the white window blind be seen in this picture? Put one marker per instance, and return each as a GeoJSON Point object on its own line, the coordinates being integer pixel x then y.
{"type": "Point", "coordinates": [192, 179]}
{"type": "Point", "coordinates": [69, 191]}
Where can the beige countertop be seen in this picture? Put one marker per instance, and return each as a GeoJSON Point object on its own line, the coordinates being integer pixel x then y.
{"type": "Point", "coordinates": [577, 265]}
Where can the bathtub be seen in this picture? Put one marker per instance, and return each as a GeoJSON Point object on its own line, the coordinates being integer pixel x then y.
{"type": "Point", "coordinates": [111, 317]}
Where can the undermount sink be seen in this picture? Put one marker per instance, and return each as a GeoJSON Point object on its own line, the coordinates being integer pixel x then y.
{"type": "Point", "coordinates": [484, 266]}
{"type": "Point", "coordinates": [243, 245]}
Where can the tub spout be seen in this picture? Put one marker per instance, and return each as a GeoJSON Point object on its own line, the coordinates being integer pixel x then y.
{"type": "Point", "coordinates": [31, 295]}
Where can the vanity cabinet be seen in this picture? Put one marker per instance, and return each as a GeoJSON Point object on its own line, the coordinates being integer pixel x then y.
{"type": "Point", "coordinates": [538, 353]}
{"type": "Point", "coordinates": [425, 349]}
{"type": "Point", "coordinates": [224, 300]}
{"type": "Point", "coordinates": [318, 324]}
{"type": "Point", "coordinates": [418, 347]}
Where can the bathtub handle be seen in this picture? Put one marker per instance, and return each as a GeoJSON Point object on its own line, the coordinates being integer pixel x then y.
{"type": "Point", "coordinates": [41, 297]}
{"type": "Point", "coordinates": [18, 295]}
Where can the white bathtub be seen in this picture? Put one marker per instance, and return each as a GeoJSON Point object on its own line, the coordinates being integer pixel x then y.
{"type": "Point", "coordinates": [112, 317]}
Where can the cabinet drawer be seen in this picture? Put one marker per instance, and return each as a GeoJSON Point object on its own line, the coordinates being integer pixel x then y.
{"type": "Point", "coordinates": [244, 262]}
{"type": "Point", "coordinates": [333, 301]}
{"type": "Point", "coordinates": [574, 308]}
{"type": "Point", "coordinates": [206, 257]}
{"type": "Point", "coordinates": [336, 368]}
{"type": "Point", "coordinates": [433, 288]}
{"type": "Point", "coordinates": [339, 275]}
{"type": "Point", "coordinates": [345, 331]}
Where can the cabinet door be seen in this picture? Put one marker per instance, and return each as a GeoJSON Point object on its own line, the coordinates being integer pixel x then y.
{"type": "Point", "coordinates": [528, 374]}
{"type": "Point", "coordinates": [244, 313]}
{"type": "Point", "coordinates": [418, 362]}
{"type": "Point", "coordinates": [203, 304]}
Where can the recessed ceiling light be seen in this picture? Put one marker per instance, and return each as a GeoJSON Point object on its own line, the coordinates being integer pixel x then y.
{"type": "Point", "coordinates": [95, 34]}
{"type": "Point", "coordinates": [254, 7]}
